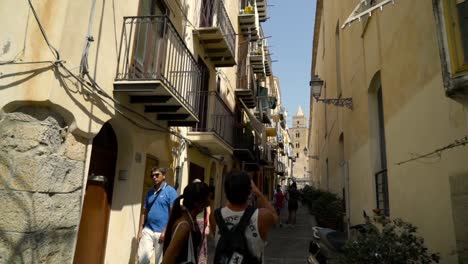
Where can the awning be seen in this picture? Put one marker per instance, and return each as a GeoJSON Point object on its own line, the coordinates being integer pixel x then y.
{"type": "Point", "coordinates": [257, 125]}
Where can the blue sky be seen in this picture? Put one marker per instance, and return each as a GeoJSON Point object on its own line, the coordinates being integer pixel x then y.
{"type": "Point", "coordinates": [290, 26]}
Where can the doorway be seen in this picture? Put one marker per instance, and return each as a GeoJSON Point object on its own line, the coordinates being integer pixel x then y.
{"type": "Point", "coordinates": [196, 172]}
{"type": "Point", "coordinates": [148, 48]}
{"type": "Point", "coordinates": [206, 14]}
{"type": "Point", "coordinates": [92, 234]}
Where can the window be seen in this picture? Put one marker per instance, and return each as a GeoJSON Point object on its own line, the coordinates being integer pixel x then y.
{"type": "Point", "coordinates": [297, 155]}
{"type": "Point", "coordinates": [338, 60]}
{"type": "Point", "coordinates": [297, 134]}
{"type": "Point", "coordinates": [451, 20]}
{"type": "Point", "coordinates": [456, 17]}
{"type": "Point", "coordinates": [297, 145]}
{"type": "Point", "coordinates": [379, 149]}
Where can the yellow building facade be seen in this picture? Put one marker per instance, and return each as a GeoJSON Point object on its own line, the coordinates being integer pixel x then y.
{"type": "Point", "coordinates": [392, 66]}
{"type": "Point", "coordinates": [94, 94]}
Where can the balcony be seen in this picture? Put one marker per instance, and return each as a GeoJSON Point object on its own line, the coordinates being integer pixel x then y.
{"type": "Point", "coordinates": [280, 168]}
{"type": "Point", "coordinates": [248, 20]}
{"type": "Point", "coordinates": [257, 57]}
{"type": "Point", "coordinates": [264, 108]}
{"type": "Point", "coordinates": [244, 144]}
{"type": "Point", "coordinates": [266, 156]}
{"type": "Point", "coordinates": [246, 86]}
{"type": "Point", "coordinates": [216, 34]}
{"type": "Point", "coordinates": [267, 58]}
{"type": "Point", "coordinates": [262, 10]}
{"type": "Point", "coordinates": [157, 71]}
{"type": "Point", "coordinates": [215, 131]}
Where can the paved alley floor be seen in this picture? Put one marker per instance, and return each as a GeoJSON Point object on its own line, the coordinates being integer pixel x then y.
{"type": "Point", "coordinates": [290, 244]}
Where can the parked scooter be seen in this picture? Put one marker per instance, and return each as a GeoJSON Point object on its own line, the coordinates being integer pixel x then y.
{"type": "Point", "coordinates": [327, 244]}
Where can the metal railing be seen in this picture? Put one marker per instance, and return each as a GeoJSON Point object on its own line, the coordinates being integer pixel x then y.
{"type": "Point", "coordinates": [381, 191]}
{"type": "Point", "coordinates": [280, 168]}
{"type": "Point", "coordinates": [151, 49]}
{"type": "Point", "coordinates": [215, 116]}
{"type": "Point", "coordinates": [244, 139]}
{"type": "Point", "coordinates": [222, 21]}
{"type": "Point", "coordinates": [245, 75]}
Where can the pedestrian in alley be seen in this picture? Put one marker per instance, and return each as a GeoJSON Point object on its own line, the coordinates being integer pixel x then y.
{"type": "Point", "coordinates": [183, 236]}
{"type": "Point", "coordinates": [279, 202]}
{"type": "Point", "coordinates": [292, 196]}
{"type": "Point", "coordinates": [204, 225]}
{"type": "Point", "coordinates": [241, 230]}
{"type": "Point", "coordinates": [153, 221]}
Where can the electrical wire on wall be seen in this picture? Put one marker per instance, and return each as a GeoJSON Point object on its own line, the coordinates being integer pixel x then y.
{"type": "Point", "coordinates": [92, 86]}
{"type": "Point", "coordinates": [438, 152]}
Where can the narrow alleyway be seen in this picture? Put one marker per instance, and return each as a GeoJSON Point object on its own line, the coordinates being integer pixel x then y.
{"type": "Point", "coordinates": [290, 244]}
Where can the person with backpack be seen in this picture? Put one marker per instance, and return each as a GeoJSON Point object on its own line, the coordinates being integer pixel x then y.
{"type": "Point", "coordinates": [241, 230]}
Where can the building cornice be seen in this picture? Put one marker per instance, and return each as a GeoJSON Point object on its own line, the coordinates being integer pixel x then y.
{"type": "Point", "coordinates": [317, 24]}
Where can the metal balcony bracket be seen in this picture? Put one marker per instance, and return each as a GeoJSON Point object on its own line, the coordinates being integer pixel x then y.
{"type": "Point", "coordinates": [343, 102]}
{"type": "Point", "coordinates": [365, 8]}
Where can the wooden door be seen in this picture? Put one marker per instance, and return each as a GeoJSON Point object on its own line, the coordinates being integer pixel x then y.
{"type": "Point", "coordinates": [92, 234]}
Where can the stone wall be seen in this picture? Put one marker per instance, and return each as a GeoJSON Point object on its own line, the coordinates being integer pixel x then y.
{"type": "Point", "coordinates": [41, 177]}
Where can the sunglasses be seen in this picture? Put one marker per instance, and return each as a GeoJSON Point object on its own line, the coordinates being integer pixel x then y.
{"type": "Point", "coordinates": [155, 174]}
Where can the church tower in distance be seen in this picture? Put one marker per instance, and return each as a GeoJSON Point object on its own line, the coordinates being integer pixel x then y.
{"type": "Point", "coordinates": [298, 133]}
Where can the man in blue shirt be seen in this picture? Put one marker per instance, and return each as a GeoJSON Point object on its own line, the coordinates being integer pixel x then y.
{"type": "Point", "coordinates": [156, 211]}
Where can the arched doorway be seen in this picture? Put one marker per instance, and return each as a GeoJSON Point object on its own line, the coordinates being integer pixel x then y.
{"type": "Point", "coordinates": [92, 235]}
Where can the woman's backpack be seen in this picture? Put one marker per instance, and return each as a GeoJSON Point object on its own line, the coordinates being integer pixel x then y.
{"type": "Point", "coordinates": [232, 245]}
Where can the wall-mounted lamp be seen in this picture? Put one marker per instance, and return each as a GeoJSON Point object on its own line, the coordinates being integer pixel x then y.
{"type": "Point", "coordinates": [316, 84]}
{"type": "Point", "coordinates": [306, 151]}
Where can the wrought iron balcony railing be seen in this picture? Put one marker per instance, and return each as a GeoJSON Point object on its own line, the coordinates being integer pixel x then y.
{"type": "Point", "coordinates": [152, 50]}
{"type": "Point", "coordinates": [217, 34]}
{"type": "Point", "coordinates": [381, 186]}
{"type": "Point", "coordinates": [244, 139]}
{"type": "Point", "coordinates": [223, 21]}
{"type": "Point", "coordinates": [215, 116]}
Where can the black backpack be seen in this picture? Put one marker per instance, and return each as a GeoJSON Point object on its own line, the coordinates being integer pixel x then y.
{"type": "Point", "coordinates": [232, 245]}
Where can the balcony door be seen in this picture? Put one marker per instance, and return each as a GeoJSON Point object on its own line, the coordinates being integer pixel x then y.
{"type": "Point", "coordinates": [148, 55]}
{"type": "Point", "coordinates": [207, 13]}
{"type": "Point", "coordinates": [202, 125]}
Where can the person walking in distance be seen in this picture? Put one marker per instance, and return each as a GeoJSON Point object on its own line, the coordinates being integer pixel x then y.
{"type": "Point", "coordinates": [153, 221]}
{"type": "Point", "coordinates": [279, 202]}
{"type": "Point", "coordinates": [241, 230]}
{"type": "Point", "coordinates": [292, 196]}
{"type": "Point", "coordinates": [183, 235]}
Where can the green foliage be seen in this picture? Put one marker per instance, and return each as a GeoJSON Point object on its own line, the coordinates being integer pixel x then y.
{"type": "Point", "coordinates": [327, 207]}
{"type": "Point", "coordinates": [396, 243]}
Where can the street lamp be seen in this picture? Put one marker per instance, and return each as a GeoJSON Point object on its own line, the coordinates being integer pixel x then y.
{"type": "Point", "coordinates": [306, 151]}
{"type": "Point", "coordinates": [316, 85]}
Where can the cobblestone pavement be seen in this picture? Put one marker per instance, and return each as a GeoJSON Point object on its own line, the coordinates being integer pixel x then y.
{"type": "Point", "coordinates": [289, 245]}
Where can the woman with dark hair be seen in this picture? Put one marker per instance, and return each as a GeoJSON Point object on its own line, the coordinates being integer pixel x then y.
{"type": "Point", "coordinates": [183, 236]}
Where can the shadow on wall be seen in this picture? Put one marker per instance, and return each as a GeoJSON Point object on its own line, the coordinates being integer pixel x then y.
{"type": "Point", "coordinates": [41, 175]}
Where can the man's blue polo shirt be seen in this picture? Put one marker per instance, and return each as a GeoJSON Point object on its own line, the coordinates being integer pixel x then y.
{"type": "Point", "coordinates": [158, 214]}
